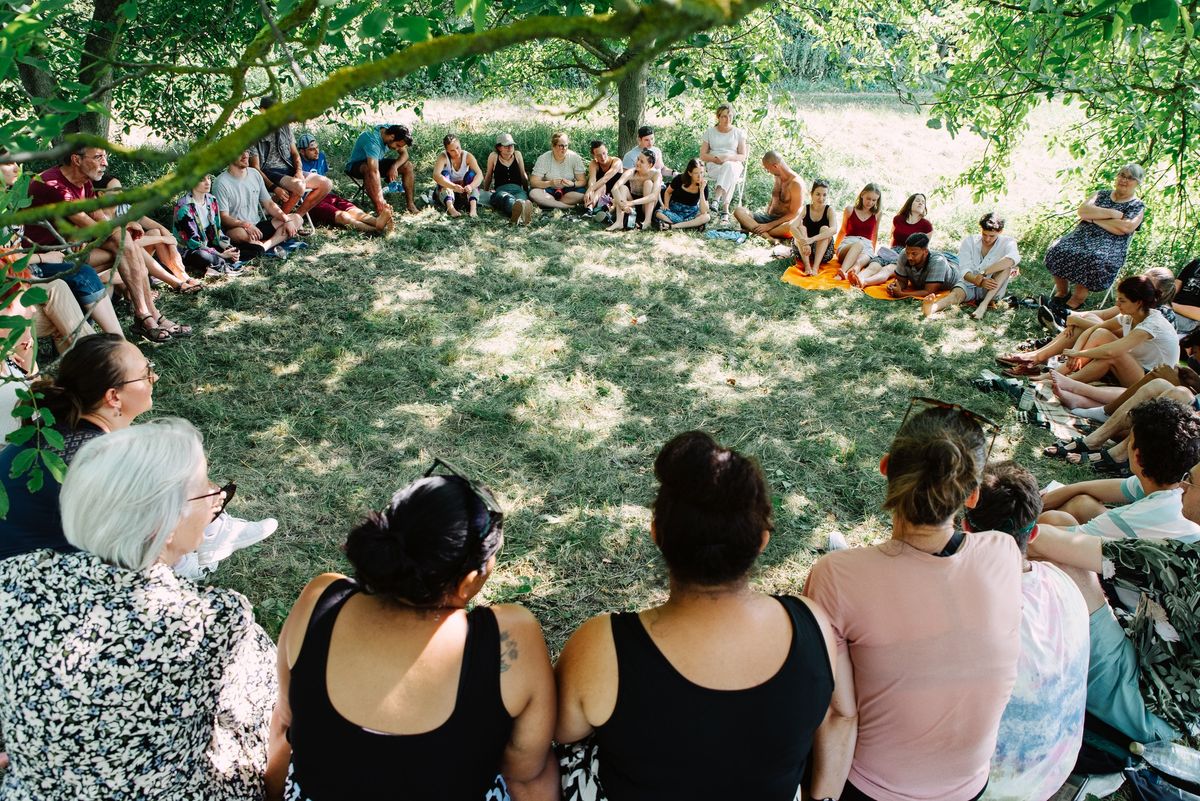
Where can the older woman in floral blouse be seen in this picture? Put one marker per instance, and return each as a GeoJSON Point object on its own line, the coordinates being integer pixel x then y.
{"type": "Point", "coordinates": [119, 680]}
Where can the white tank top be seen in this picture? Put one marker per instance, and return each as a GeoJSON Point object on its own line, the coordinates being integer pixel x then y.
{"type": "Point", "coordinates": [460, 172]}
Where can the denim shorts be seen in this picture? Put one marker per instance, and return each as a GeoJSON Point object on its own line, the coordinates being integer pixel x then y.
{"type": "Point", "coordinates": [680, 212]}
{"type": "Point", "coordinates": [85, 285]}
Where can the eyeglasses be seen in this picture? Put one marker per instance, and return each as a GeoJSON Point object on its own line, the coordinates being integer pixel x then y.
{"type": "Point", "coordinates": [975, 418]}
{"type": "Point", "coordinates": [494, 512]}
{"type": "Point", "coordinates": [150, 376]}
{"type": "Point", "coordinates": [1187, 479]}
{"type": "Point", "coordinates": [229, 490]}
{"type": "Point", "coordinates": [561, 144]}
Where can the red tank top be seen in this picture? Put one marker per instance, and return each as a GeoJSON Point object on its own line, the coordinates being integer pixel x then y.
{"type": "Point", "coordinates": [855, 226]}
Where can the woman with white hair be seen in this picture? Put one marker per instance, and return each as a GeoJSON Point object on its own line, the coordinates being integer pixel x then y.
{"type": "Point", "coordinates": [119, 679]}
{"type": "Point", "coordinates": [723, 150]}
{"type": "Point", "coordinates": [1089, 257]}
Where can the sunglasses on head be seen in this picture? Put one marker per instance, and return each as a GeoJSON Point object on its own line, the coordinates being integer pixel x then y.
{"type": "Point", "coordinates": [490, 504]}
{"type": "Point", "coordinates": [934, 403]}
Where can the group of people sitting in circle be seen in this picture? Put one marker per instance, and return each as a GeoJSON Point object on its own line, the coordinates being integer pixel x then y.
{"type": "Point", "coordinates": [955, 660]}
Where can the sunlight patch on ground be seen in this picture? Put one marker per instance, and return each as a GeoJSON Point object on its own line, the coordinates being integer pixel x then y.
{"type": "Point", "coordinates": [395, 290]}
{"type": "Point", "coordinates": [344, 363]}
{"type": "Point", "coordinates": [576, 404]}
{"type": "Point", "coordinates": [285, 369]}
{"type": "Point", "coordinates": [431, 415]}
{"type": "Point", "coordinates": [716, 380]}
{"type": "Point", "coordinates": [517, 343]}
{"type": "Point", "coordinates": [962, 335]}
{"type": "Point", "coordinates": [232, 320]}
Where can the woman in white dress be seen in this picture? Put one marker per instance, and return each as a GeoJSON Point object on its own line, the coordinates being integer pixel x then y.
{"type": "Point", "coordinates": [723, 149]}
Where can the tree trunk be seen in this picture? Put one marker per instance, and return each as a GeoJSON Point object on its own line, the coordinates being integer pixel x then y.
{"type": "Point", "coordinates": [631, 107]}
{"type": "Point", "coordinates": [99, 47]}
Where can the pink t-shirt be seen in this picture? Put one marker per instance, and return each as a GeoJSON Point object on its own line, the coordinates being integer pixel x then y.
{"type": "Point", "coordinates": [934, 642]}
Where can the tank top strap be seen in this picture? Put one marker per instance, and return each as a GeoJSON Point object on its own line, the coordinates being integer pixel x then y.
{"type": "Point", "coordinates": [479, 679]}
{"type": "Point", "coordinates": [314, 652]}
{"type": "Point", "coordinates": [808, 641]}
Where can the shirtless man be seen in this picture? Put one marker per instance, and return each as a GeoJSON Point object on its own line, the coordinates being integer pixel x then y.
{"type": "Point", "coordinates": [786, 198]}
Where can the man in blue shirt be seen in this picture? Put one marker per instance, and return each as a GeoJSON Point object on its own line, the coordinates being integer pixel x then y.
{"type": "Point", "coordinates": [368, 163]}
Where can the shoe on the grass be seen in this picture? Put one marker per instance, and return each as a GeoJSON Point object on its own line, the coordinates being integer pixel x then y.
{"type": "Point", "coordinates": [527, 212]}
{"type": "Point", "coordinates": [227, 534]}
{"type": "Point", "coordinates": [1049, 320]}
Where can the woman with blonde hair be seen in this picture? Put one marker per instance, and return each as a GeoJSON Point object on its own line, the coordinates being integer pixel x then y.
{"type": "Point", "coordinates": [860, 229]}
{"type": "Point", "coordinates": [723, 149]}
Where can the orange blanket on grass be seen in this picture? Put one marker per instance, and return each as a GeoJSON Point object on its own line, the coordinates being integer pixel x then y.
{"type": "Point", "coordinates": [826, 279]}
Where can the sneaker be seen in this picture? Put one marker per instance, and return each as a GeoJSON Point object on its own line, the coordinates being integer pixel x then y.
{"type": "Point", "coordinates": [836, 542]}
{"type": "Point", "coordinates": [1049, 320]}
{"type": "Point", "coordinates": [277, 252]}
{"type": "Point", "coordinates": [227, 534]}
{"type": "Point", "coordinates": [189, 567]}
{"type": "Point", "coordinates": [233, 267]}
{"type": "Point", "coordinates": [602, 216]}
{"type": "Point", "coordinates": [395, 188]}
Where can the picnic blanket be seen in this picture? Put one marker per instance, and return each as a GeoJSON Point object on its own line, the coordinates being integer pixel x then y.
{"type": "Point", "coordinates": [826, 279]}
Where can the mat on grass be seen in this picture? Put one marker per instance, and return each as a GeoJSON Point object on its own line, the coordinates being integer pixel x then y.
{"type": "Point", "coordinates": [826, 279]}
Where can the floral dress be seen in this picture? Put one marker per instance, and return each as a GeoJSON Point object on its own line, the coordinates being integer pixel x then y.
{"type": "Point", "coordinates": [1089, 255]}
{"type": "Point", "coordinates": [120, 684]}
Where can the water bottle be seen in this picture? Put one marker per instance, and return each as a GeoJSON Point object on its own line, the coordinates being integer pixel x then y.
{"type": "Point", "coordinates": [1171, 758]}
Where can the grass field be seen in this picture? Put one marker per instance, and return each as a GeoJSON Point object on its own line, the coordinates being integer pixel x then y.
{"type": "Point", "coordinates": [325, 383]}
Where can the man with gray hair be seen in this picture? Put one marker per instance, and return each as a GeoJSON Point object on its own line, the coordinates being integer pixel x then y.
{"type": "Point", "coordinates": [787, 196]}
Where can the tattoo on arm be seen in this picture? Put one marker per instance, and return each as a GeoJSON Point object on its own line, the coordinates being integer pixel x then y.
{"type": "Point", "coordinates": [508, 651]}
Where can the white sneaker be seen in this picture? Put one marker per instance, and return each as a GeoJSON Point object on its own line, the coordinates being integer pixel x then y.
{"type": "Point", "coordinates": [189, 567]}
{"type": "Point", "coordinates": [227, 534]}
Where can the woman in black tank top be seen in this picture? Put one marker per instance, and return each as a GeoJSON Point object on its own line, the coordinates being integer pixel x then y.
{"type": "Point", "coordinates": [816, 246]}
{"type": "Point", "coordinates": [506, 172]}
{"type": "Point", "coordinates": [718, 692]}
{"type": "Point", "coordinates": [389, 688]}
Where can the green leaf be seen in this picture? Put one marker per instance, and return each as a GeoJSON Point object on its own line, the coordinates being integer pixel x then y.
{"type": "Point", "coordinates": [414, 29]}
{"type": "Point", "coordinates": [54, 439]}
{"type": "Point", "coordinates": [479, 15]}
{"type": "Point", "coordinates": [373, 24]}
{"type": "Point", "coordinates": [46, 415]}
{"type": "Point", "coordinates": [3, 502]}
{"type": "Point", "coordinates": [36, 478]}
{"type": "Point", "coordinates": [343, 17]}
{"type": "Point", "coordinates": [933, 122]}
{"type": "Point", "coordinates": [55, 464]}
{"type": "Point", "coordinates": [461, 6]}
{"type": "Point", "coordinates": [1140, 14]}
{"type": "Point", "coordinates": [22, 461]}
{"type": "Point", "coordinates": [128, 9]}
{"type": "Point", "coordinates": [22, 434]}
{"type": "Point", "coordinates": [677, 88]}
{"type": "Point", "coordinates": [34, 296]}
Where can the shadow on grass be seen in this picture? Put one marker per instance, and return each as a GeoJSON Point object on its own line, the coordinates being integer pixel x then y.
{"type": "Point", "coordinates": [552, 363]}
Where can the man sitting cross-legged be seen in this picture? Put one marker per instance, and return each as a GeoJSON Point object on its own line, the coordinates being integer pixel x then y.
{"type": "Point", "coordinates": [1164, 441]}
{"type": "Point", "coordinates": [986, 261]}
{"type": "Point", "coordinates": [333, 208]}
{"type": "Point", "coordinates": [278, 159]}
{"type": "Point", "coordinates": [368, 164]}
{"type": "Point", "coordinates": [1042, 726]}
{"type": "Point", "coordinates": [243, 197]}
{"type": "Point", "coordinates": [559, 176]}
{"type": "Point", "coordinates": [920, 273]}
{"type": "Point", "coordinates": [1143, 638]}
{"type": "Point", "coordinates": [787, 195]}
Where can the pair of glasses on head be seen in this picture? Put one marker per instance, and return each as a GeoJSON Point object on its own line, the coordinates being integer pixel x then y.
{"type": "Point", "coordinates": [150, 376]}
{"type": "Point", "coordinates": [934, 403]}
{"type": "Point", "coordinates": [215, 492]}
{"type": "Point", "coordinates": [490, 504]}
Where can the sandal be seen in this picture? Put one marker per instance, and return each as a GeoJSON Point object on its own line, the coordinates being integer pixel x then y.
{"type": "Point", "coordinates": [150, 334]}
{"type": "Point", "coordinates": [1062, 449]}
{"type": "Point", "coordinates": [190, 287]}
{"type": "Point", "coordinates": [663, 225]}
{"type": "Point", "coordinates": [1025, 370]}
{"type": "Point", "coordinates": [174, 329]}
{"type": "Point", "coordinates": [1099, 460]}
{"type": "Point", "coordinates": [1011, 361]}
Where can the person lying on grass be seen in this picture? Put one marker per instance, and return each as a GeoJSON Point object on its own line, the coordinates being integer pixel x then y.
{"type": "Point", "coordinates": [333, 208]}
{"type": "Point", "coordinates": [1163, 443]}
{"type": "Point", "coordinates": [921, 273]}
{"type": "Point", "coordinates": [986, 261]}
{"type": "Point", "coordinates": [1090, 449]}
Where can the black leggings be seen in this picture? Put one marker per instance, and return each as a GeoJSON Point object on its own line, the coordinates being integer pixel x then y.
{"type": "Point", "coordinates": [200, 261]}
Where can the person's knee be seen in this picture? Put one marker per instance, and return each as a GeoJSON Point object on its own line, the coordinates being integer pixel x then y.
{"type": "Point", "coordinates": [1057, 517]}
{"type": "Point", "coordinates": [406, 169]}
{"type": "Point", "coordinates": [1181, 395]}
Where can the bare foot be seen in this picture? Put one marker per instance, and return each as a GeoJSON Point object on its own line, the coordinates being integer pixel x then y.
{"type": "Point", "coordinates": [451, 211]}
{"type": "Point", "coordinates": [616, 226]}
{"type": "Point", "coordinates": [979, 312]}
{"type": "Point", "coordinates": [927, 306]}
{"type": "Point", "coordinates": [412, 209]}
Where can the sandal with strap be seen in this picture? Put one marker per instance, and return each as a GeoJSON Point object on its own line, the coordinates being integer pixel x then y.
{"type": "Point", "coordinates": [1100, 460]}
{"type": "Point", "coordinates": [174, 329]}
{"type": "Point", "coordinates": [1062, 448]}
{"type": "Point", "coordinates": [190, 287]}
{"type": "Point", "coordinates": [150, 334]}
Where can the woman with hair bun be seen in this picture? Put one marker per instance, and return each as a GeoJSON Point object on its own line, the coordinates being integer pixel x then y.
{"type": "Point", "coordinates": [718, 692]}
{"type": "Point", "coordinates": [390, 687]}
{"type": "Point", "coordinates": [927, 625]}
